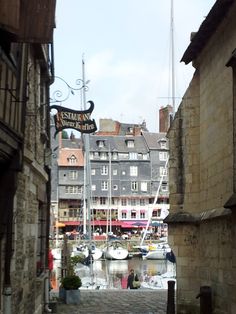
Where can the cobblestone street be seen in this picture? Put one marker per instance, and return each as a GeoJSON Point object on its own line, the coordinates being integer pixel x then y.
{"type": "Point", "coordinates": [118, 302]}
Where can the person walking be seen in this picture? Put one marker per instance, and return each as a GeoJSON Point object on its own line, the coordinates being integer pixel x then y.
{"type": "Point", "coordinates": [133, 279]}
{"type": "Point", "coordinates": [130, 280]}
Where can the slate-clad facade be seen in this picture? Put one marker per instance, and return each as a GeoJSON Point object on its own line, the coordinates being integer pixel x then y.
{"type": "Point", "coordinates": [126, 165]}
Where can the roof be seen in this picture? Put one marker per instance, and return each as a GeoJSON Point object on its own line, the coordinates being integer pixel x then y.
{"type": "Point", "coordinates": [217, 13]}
{"type": "Point", "coordinates": [66, 153]}
{"type": "Point", "coordinates": [118, 143]}
{"type": "Point", "coordinates": [74, 143]}
{"type": "Point", "coordinates": [153, 139]}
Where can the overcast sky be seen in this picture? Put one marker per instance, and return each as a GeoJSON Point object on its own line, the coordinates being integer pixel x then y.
{"type": "Point", "coordinates": [126, 48]}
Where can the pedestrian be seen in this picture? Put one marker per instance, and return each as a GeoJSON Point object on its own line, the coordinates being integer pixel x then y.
{"type": "Point", "coordinates": [131, 279]}
{"type": "Point", "coordinates": [50, 267]}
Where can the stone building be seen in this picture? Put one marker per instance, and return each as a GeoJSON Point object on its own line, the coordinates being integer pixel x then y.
{"type": "Point", "coordinates": [26, 72]}
{"type": "Point", "coordinates": [202, 175]}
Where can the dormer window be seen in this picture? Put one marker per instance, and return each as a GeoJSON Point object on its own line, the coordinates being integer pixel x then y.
{"type": "Point", "coordinates": [130, 143]}
{"type": "Point", "coordinates": [100, 143]}
{"type": "Point", "coordinates": [162, 143]}
{"type": "Point", "coordinates": [130, 130]}
{"type": "Point", "coordinates": [72, 160]}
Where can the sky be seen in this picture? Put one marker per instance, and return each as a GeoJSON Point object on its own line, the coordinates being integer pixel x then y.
{"type": "Point", "coordinates": [126, 48]}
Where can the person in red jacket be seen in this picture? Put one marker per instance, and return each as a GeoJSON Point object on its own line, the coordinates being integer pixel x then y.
{"type": "Point", "coordinates": [50, 266]}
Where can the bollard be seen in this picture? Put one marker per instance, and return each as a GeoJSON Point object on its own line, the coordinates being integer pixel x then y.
{"type": "Point", "coordinates": [205, 300]}
{"type": "Point", "coordinates": [171, 297]}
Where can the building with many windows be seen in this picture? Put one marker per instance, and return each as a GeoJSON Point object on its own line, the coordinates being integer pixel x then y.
{"type": "Point", "coordinates": [128, 175]}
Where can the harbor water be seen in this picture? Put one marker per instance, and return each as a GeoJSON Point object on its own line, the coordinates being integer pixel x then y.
{"type": "Point", "coordinates": [112, 274]}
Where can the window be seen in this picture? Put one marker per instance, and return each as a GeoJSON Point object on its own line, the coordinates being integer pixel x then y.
{"type": "Point", "coordinates": [134, 171]}
{"type": "Point", "coordinates": [93, 187]}
{"type": "Point", "coordinates": [103, 156]}
{"type": "Point", "coordinates": [114, 156]}
{"type": "Point", "coordinates": [102, 201]}
{"type": "Point", "coordinates": [164, 186]}
{"type": "Point", "coordinates": [93, 172]}
{"type": "Point", "coordinates": [130, 143]}
{"type": "Point", "coordinates": [73, 189]}
{"type": "Point", "coordinates": [73, 175]}
{"type": "Point", "coordinates": [95, 154]}
{"type": "Point", "coordinates": [142, 202]}
{"type": "Point", "coordinates": [124, 215]}
{"type": "Point", "coordinates": [142, 215]}
{"type": "Point", "coordinates": [133, 202]}
{"type": "Point", "coordinates": [134, 186]}
{"type": "Point", "coordinates": [163, 156]}
{"type": "Point", "coordinates": [101, 144]}
{"type": "Point", "coordinates": [133, 156]}
{"type": "Point", "coordinates": [94, 199]}
{"type": "Point", "coordinates": [163, 171]}
{"type": "Point", "coordinates": [104, 186]}
{"type": "Point", "coordinates": [145, 156]}
{"type": "Point", "coordinates": [163, 144]}
{"type": "Point", "coordinates": [133, 214]}
{"type": "Point", "coordinates": [115, 187]}
{"type": "Point", "coordinates": [123, 155]}
{"type": "Point", "coordinates": [123, 173]}
{"type": "Point", "coordinates": [123, 202]}
{"type": "Point", "coordinates": [104, 170]}
{"type": "Point", "coordinates": [72, 160]}
{"type": "Point", "coordinates": [144, 186]}
{"type": "Point", "coordinates": [114, 172]}
{"type": "Point", "coordinates": [72, 212]}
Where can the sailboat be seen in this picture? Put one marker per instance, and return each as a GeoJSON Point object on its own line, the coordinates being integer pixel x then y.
{"type": "Point", "coordinates": [115, 250]}
{"type": "Point", "coordinates": [83, 251]}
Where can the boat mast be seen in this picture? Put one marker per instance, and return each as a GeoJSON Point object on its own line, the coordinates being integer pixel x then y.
{"type": "Point", "coordinates": [108, 227]}
{"type": "Point", "coordinates": [172, 56]}
{"type": "Point", "coordinates": [110, 187]}
{"type": "Point", "coordinates": [164, 173]}
{"type": "Point", "coordinates": [87, 181]}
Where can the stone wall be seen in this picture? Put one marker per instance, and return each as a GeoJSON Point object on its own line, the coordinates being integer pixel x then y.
{"type": "Point", "coordinates": [28, 286]}
{"type": "Point", "coordinates": [201, 230]}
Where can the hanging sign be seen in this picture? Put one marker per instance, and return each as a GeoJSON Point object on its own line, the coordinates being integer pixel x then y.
{"type": "Point", "coordinates": [72, 119]}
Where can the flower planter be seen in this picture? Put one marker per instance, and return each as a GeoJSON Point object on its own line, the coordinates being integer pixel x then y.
{"type": "Point", "coordinates": [69, 296]}
{"type": "Point", "coordinates": [72, 296]}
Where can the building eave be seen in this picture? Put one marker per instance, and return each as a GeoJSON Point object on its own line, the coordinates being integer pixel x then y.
{"type": "Point", "coordinates": [206, 30]}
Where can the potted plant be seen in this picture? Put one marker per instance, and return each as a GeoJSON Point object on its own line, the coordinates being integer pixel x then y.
{"type": "Point", "coordinates": [70, 284]}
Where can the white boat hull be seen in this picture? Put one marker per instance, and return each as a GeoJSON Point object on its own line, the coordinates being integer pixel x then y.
{"type": "Point", "coordinates": [115, 251]}
{"type": "Point", "coordinates": [84, 252]}
{"type": "Point", "coordinates": [157, 252]}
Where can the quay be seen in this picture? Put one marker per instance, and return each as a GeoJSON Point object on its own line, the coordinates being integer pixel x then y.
{"type": "Point", "coordinates": [117, 301]}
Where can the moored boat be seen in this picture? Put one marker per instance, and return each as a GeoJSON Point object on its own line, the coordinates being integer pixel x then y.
{"type": "Point", "coordinates": [83, 251]}
{"type": "Point", "coordinates": [115, 250]}
{"type": "Point", "coordinates": [157, 251]}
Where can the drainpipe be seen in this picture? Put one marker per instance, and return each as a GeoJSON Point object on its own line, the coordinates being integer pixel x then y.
{"type": "Point", "coordinates": [7, 300]}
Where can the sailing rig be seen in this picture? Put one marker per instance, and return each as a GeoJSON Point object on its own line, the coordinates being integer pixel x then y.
{"type": "Point", "coordinates": [173, 106]}
{"type": "Point", "coordinates": [164, 172]}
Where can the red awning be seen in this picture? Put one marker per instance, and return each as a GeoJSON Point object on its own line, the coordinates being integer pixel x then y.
{"type": "Point", "coordinates": [132, 223]}
{"type": "Point", "coordinates": [104, 223]}
{"type": "Point", "coordinates": [72, 223]}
